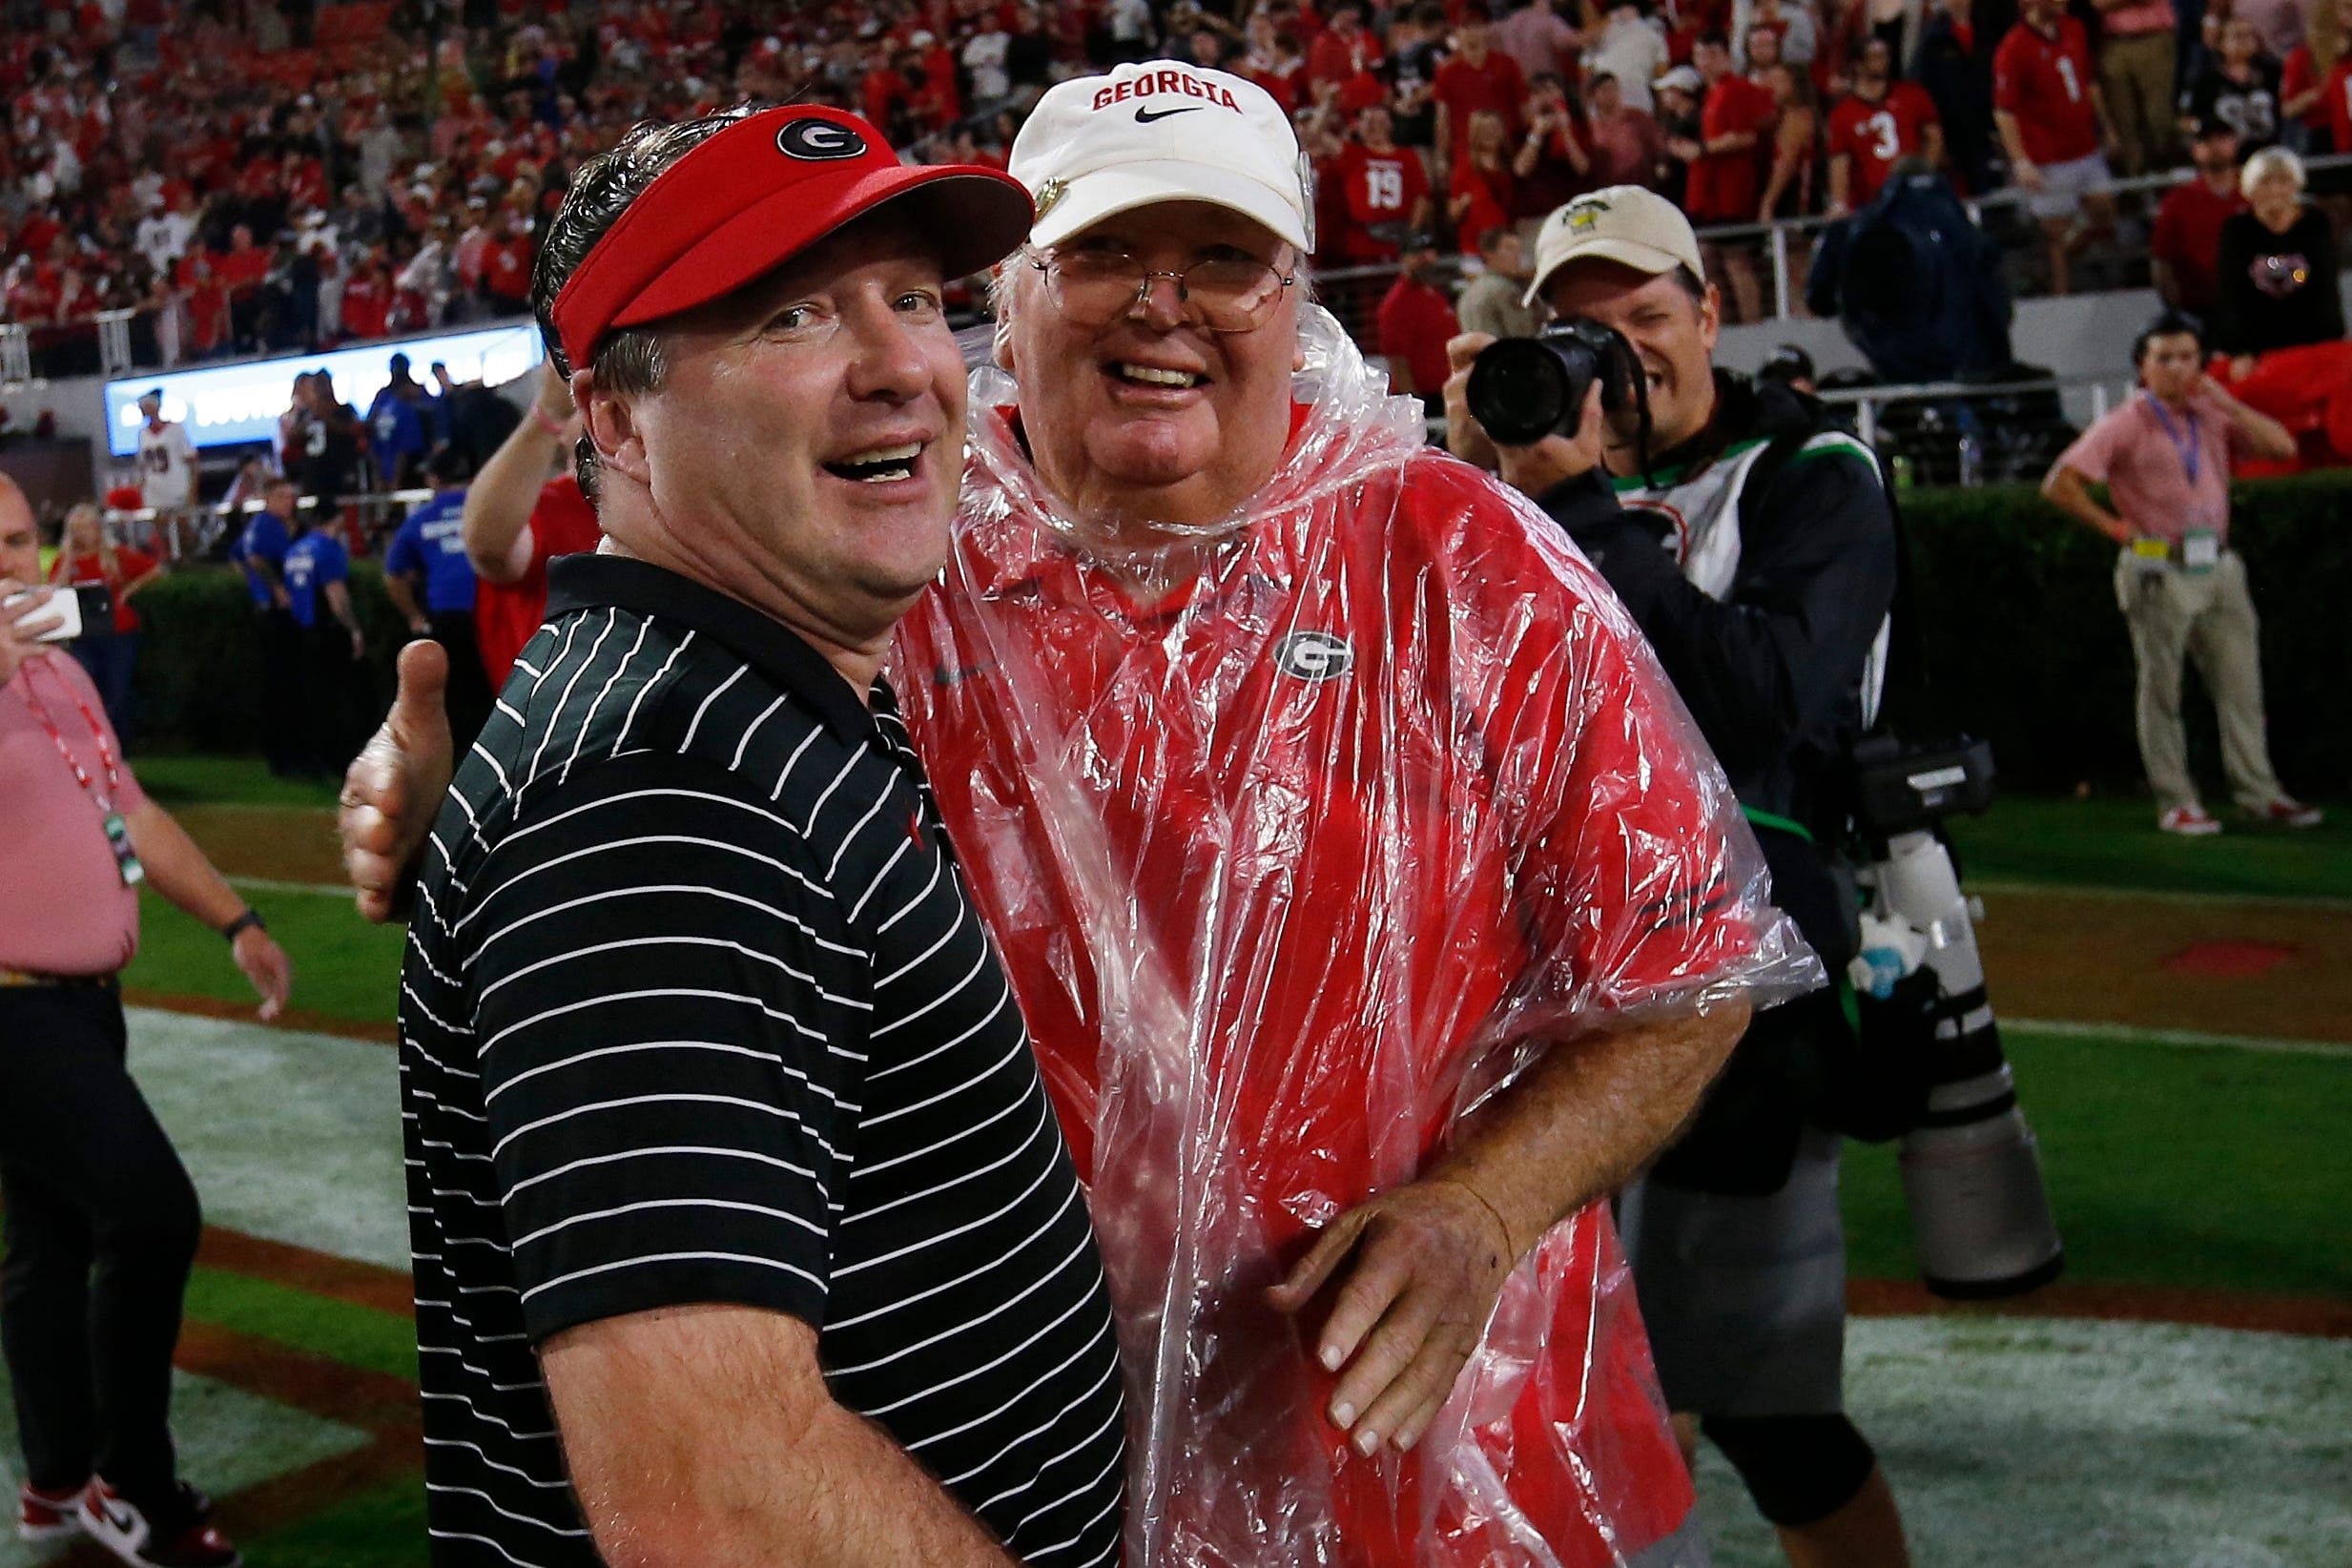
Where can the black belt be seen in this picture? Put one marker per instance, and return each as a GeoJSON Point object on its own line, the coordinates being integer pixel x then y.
{"type": "Point", "coordinates": [24, 980]}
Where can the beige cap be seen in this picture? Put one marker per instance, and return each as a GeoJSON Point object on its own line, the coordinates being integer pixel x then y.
{"type": "Point", "coordinates": [1627, 224]}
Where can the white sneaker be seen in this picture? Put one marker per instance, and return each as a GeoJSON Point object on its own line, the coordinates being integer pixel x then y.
{"type": "Point", "coordinates": [2188, 822]}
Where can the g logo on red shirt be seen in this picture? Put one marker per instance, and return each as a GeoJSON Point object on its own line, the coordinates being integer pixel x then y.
{"type": "Point", "coordinates": [1313, 655]}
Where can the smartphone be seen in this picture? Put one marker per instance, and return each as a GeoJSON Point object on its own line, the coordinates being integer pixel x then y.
{"type": "Point", "coordinates": [72, 611]}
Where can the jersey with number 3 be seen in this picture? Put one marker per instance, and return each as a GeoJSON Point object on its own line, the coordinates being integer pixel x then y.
{"type": "Point", "coordinates": [1382, 188]}
{"type": "Point", "coordinates": [2046, 83]}
{"type": "Point", "coordinates": [1877, 135]}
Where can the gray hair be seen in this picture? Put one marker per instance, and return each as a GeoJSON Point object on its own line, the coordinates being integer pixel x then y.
{"type": "Point", "coordinates": [632, 360]}
{"type": "Point", "coordinates": [2269, 161]}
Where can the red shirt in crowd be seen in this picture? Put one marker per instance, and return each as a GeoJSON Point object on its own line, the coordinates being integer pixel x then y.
{"type": "Point", "coordinates": [1381, 188]}
{"type": "Point", "coordinates": [1417, 320]}
{"type": "Point", "coordinates": [1875, 136]}
{"type": "Point", "coordinates": [241, 271]}
{"type": "Point", "coordinates": [367, 303]}
{"type": "Point", "coordinates": [2335, 99]}
{"type": "Point", "coordinates": [1337, 59]}
{"type": "Point", "coordinates": [1494, 196]}
{"type": "Point", "coordinates": [207, 305]}
{"type": "Point", "coordinates": [1728, 187]}
{"type": "Point", "coordinates": [2046, 83]}
{"type": "Point", "coordinates": [506, 614]}
{"type": "Point", "coordinates": [1497, 83]}
{"type": "Point", "coordinates": [506, 268]}
{"type": "Point", "coordinates": [2187, 238]}
{"type": "Point", "coordinates": [130, 566]}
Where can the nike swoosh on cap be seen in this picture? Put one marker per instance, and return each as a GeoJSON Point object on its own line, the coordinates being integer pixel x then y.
{"type": "Point", "coordinates": [1144, 116]}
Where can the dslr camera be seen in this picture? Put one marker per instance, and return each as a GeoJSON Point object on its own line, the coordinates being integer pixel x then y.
{"type": "Point", "coordinates": [1523, 389]}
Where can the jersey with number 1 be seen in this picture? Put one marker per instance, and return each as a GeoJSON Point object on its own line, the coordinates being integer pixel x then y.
{"type": "Point", "coordinates": [2046, 83]}
{"type": "Point", "coordinates": [1875, 136]}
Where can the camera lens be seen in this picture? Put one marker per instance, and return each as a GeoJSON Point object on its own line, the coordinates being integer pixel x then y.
{"type": "Point", "coordinates": [1518, 390]}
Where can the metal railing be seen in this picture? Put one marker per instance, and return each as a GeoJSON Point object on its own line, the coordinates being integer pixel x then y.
{"type": "Point", "coordinates": [181, 534]}
{"type": "Point", "coordinates": [1779, 235]}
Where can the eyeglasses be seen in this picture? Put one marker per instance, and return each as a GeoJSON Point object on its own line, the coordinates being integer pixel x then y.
{"type": "Point", "coordinates": [1096, 287]}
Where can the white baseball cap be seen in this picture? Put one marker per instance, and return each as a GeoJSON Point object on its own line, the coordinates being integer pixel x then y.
{"type": "Point", "coordinates": [1629, 224]}
{"type": "Point", "coordinates": [1161, 131]}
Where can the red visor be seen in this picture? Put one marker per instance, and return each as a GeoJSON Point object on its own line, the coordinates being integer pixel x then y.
{"type": "Point", "coordinates": [758, 192]}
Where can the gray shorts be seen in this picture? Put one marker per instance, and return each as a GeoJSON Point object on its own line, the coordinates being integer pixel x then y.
{"type": "Point", "coordinates": [2063, 185]}
{"type": "Point", "coordinates": [1744, 1297]}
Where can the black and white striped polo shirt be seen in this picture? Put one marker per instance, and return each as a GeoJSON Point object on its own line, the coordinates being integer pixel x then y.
{"type": "Point", "coordinates": [695, 1010]}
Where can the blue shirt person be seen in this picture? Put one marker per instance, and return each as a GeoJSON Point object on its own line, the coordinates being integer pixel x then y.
{"type": "Point", "coordinates": [261, 548]}
{"type": "Point", "coordinates": [431, 546]}
{"type": "Point", "coordinates": [318, 568]}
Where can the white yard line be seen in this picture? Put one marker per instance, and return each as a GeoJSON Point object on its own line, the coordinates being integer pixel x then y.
{"type": "Point", "coordinates": [271, 884]}
{"type": "Point", "coordinates": [2000, 887]}
{"type": "Point", "coordinates": [2133, 1033]}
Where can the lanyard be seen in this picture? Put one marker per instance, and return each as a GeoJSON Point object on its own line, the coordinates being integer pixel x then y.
{"type": "Point", "coordinates": [97, 733]}
{"type": "Point", "coordinates": [2192, 451]}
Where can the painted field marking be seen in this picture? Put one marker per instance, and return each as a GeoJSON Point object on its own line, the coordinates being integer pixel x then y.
{"type": "Point", "coordinates": [271, 884]}
{"type": "Point", "coordinates": [2135, 1032]}
{"type": "Point", "coordinates": [2005, 888]}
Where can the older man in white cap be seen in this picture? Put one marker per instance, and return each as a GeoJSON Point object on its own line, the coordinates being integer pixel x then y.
{"type": "Point", "coordinates": [1756, 550]}
{"type": "Point", "coordinates": [1373, 906]}
{"type": "Point", "coordinates": [1373, 909]}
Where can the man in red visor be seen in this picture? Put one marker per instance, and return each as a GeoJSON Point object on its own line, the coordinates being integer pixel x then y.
{"type": "Point", "coordinates": [743, 1230]}
{"type": "Point", "coordinates": [1374, 906]}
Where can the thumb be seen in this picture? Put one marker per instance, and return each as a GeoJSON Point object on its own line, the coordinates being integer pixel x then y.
{"type": "Point", "coordinates": [416, 708]}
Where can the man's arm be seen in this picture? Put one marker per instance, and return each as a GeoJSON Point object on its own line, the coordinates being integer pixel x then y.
{"type": "Point", "coordinates": [1431, 1258]}
{"type": "Point", "coordinates": [178, 870]}
{"type": "Point", "coordinates": [400, 587]}
{"type": "Point", "coordinates": [339, 604]}
{"type": "Point", "coordinates": [272, 577]}
{"type": "Point", "coordinates": [1841, 183]}
{"type": "Point", "coordinates": [2070, 493]}
{"type": "Point", "coordinates": [2021, 169]}
{"type": "Point", "coordinates": [2269, 437]}
{"type": "Point", "coordinates": [497, 503]}
{"type": "Point", "coordinates": [704, 1437]}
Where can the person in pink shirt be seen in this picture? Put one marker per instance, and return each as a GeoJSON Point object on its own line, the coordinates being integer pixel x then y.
{"type": "Point", "coordinates": [102, 1218]}
{"type": "Point", "coordinates": [2165, 458]}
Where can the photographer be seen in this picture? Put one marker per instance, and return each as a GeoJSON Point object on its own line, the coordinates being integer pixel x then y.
{"type": "Point", "coordinates": [1755, 546]}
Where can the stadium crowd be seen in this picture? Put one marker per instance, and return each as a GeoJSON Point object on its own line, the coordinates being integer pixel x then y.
{"type": "Point", "coordinates": [248, 176]}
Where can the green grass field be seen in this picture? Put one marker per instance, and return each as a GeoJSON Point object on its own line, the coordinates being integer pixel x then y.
{"type": "Point", "coordinates": [2170, 1166]}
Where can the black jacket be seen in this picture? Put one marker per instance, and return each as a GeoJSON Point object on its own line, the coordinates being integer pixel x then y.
{"type": "Point", "coordinates": [1772, 674]}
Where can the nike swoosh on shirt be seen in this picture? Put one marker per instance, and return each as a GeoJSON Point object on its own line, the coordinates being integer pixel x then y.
{"type": "Point", "coordinates": [1145, 117]}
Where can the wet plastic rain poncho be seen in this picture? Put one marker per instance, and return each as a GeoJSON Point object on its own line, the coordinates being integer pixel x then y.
{"type": "Point", "coordinates": [1290, 868]}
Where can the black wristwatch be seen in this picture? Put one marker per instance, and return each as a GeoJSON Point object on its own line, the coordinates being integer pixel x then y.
{"type": "Point", "coordinates": [250, 920]}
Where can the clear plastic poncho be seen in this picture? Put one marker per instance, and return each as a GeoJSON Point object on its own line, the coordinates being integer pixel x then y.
{"type": "Point", "coordinates": [1290, 869]}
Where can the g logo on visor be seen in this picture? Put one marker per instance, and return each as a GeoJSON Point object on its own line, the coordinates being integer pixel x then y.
{"type": "Point", "coordinates": [819, 140]}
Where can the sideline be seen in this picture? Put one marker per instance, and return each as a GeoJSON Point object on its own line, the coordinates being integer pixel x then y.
{"type": "Point", "coordinates": [271, 884]}
{"type": "Point", "coordinates": [2007, 888]}
{"type": "Point", "coordinates": [2137, 1033]}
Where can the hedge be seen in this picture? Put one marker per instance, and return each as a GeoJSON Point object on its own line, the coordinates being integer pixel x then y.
{"type": "Point", "coordinates": [2017, 610]}
{"type": "Point", "coordinates": [2029, 649]}
{"type": "Point", "coordinates": [200, 684]}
